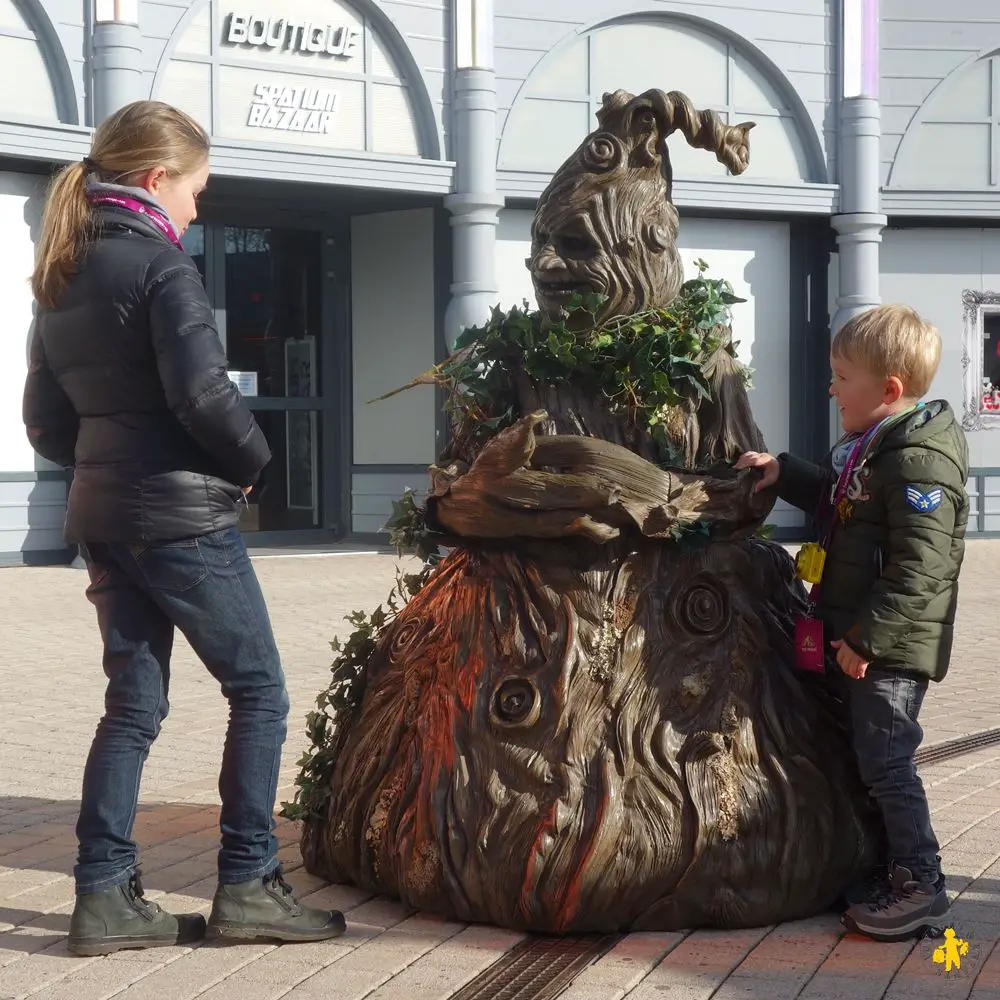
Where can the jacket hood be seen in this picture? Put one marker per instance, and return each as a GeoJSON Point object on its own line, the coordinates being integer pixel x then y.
{"type": "Point", "coordinates": [933, 427]}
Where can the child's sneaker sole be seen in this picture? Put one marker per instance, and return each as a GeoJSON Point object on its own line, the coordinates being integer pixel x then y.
{"type": "Point", "coordinates": [921, 929]}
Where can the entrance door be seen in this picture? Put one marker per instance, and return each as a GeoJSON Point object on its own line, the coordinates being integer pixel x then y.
{"type": "Point", "coordinates": [266, 285]}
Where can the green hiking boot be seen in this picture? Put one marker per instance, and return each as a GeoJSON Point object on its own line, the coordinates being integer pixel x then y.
{"type": "Point", "coordinates": [119, 918]}
{"type": "Point", "coordinates": [267, 908]}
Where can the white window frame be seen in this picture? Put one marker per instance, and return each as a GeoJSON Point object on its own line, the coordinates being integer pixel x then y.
{"type": "Point", "coordinates": [977, 306]}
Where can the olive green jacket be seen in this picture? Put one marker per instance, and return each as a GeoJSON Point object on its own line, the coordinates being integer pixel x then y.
{"type": "Point", "coordinates": [890, 583]}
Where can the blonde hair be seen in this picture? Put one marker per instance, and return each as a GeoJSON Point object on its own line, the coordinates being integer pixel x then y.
{"type": "Point", "coordinates": [892, 340]}
{"type": "Point", "coordinates": [127, 145]}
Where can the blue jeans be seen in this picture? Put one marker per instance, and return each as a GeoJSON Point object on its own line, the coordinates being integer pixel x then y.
{"type": "Point", "coordinates": [884, 706]}
{"type": "Point", "coordinates": [207, 588]}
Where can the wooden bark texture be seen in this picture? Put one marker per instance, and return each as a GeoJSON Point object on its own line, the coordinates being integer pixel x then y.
{"type": "Point", "coordinates": [560, 486]}
{"type": "Point", "coordinates": [560, 747]}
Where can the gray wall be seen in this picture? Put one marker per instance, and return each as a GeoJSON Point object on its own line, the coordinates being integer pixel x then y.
{"type": "Point", "coordinates": [374, 492]}
{"type": "Point", "coordinates": [393, 328]}
{"type": "Point", "coordinates": [32, 491]}
{"type": "Point", "coordinates": [422, 26]}
{"type": "Point", "coordinates": [32, 512]}
{"type": "Point", "coordinates": [930, 269]}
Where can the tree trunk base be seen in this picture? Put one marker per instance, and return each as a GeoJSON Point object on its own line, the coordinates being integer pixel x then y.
{"type": "Point", "coordinates": [563, 738]}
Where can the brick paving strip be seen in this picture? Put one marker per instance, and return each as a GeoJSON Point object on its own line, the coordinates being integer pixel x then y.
{"type": "Point", "coordinates": [50, 673]}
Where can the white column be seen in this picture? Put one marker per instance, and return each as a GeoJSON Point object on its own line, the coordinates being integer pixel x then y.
{"type": "Point", "coordinates": [116, 65]}
{"type": "Point", "coordinates": [474, 203]}
{"type": "Point", "coordinates": [859, 223]}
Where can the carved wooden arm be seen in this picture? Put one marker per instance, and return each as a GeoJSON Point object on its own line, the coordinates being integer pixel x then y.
{"type": "Point", "coordinates": [552, 486]}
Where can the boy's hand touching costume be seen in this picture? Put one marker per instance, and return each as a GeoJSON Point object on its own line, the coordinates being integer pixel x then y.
{"type": "Point", "coordinates": [767, 464]}
{"type": "Point", "coordinates": [849, 661]}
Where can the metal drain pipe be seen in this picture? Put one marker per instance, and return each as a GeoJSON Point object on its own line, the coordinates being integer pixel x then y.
{"type": "Point", "coordinates": [937, 753]}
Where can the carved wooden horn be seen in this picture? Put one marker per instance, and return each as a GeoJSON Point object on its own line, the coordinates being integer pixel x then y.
{"type": "Point", "coordinates": [702, 129]}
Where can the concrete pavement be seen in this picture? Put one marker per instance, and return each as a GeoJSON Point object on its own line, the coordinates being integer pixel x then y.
{"type": "Point", "coordinates": [51, 692]}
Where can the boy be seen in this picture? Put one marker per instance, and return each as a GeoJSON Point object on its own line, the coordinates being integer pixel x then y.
{"type": "Point", "coordinates": [892, 496]}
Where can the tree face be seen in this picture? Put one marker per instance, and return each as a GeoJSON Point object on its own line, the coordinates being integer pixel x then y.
{"type": "Point", "coordinates": [606, 223]}
{"type": "Point", "coordinates": [561, 747]}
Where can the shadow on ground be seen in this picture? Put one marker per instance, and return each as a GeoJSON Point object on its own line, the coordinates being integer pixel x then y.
{"type": "Point", "coordinates": [178, 847]}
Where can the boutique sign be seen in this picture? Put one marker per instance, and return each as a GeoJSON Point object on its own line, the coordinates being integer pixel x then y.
{"type": "Point", "coordinates": [292, 74]}
{"type": "Point", "coordinates": [285, 34]}
{"type": "Point", "coordinates": [292, 109]}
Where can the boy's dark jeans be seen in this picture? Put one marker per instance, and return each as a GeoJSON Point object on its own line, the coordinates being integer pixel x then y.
{"type": "Point", "coordinates": [884, 706]}
{"type": "Point", "coordinates": [207, 588]}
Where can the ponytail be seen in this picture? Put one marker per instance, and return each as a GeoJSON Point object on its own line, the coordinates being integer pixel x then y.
{"type": "Point", "coordinates": [126, 146]}
{"type": "Point", "coordinates": [66, 229]}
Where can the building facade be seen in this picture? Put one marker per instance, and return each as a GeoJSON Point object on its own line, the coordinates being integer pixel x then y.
{"type": "Point", "coordinates": [375, 167]}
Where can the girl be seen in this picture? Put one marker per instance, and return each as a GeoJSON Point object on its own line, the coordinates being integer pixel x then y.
{"type": "Point", "coordinates": [127, 384]}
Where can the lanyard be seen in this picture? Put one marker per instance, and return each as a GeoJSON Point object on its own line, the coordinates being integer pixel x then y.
{"type": "Point", "coordinates": [843, 483]}
{"type": "Point", "coordinates": [856, 458]}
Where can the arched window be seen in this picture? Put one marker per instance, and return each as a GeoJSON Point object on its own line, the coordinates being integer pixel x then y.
{"type": "Point", "coordinates": [307, 73]}
{"type": "Point", "coordinates": [560, 97]}
{"type": "Point", "coordinates": [952, 143]}
{"type": "Point", "coordinates": [27, 90]}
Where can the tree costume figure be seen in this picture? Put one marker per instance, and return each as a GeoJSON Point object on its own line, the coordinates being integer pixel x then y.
{"type": "Point", "coordinates": [584, 717]}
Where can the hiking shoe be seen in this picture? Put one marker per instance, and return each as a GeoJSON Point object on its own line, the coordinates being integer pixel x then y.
{"type": "Point", "coordinates": [267, 908]}
{"type": "Point", "coordinates": [907, 909]}
{"type": "Point", "coordinates": [120, 917]}
{"type": "Point", "coordinates": [875, 884]}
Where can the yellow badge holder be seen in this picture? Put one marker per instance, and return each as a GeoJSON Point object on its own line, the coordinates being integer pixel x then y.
{"type": "Point", "coordinates": [809, 562]}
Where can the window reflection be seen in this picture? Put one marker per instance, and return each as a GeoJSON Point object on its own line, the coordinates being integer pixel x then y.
{"type": "Point", "coordinates": [273, 308]}
{"type": "Point", "coordinates": [287, 496]}
{"type": "Point", "coordinates": [194, 242]}
{"type": "Point", "coordinates": [991, 348]}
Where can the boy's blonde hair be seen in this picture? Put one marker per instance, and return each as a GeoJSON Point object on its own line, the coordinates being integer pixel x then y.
{"type": "Point", "coordinates": [892, 340]}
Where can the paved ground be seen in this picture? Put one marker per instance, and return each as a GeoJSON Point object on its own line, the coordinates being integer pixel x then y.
{"type": "Point", "coordinates": [51, 694]}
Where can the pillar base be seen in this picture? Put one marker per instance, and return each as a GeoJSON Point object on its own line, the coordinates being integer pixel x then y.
{"type": "Point", "coordinates": [859, 235]}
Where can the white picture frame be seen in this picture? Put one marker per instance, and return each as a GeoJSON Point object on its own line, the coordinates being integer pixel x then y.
{"type": "Point", "coordinates": [977, 304]}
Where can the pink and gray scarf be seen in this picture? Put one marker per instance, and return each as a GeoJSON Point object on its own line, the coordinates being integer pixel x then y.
{"type": "Point", "coordinates": [133, 199]}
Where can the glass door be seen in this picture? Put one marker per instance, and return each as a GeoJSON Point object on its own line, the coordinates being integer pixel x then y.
{"type": "Point", "coordinates": [266, 286]}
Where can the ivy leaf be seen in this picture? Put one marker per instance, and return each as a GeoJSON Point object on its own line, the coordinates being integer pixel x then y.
{"type": "Point", "coordinates": [701, 384]}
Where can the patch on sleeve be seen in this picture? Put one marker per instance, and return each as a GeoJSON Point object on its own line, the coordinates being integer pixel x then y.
{"type": "Point", "coordinates": [924, 503]}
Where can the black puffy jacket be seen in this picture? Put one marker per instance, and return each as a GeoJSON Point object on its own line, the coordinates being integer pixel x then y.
{"type": "Point", "coordinates": [127, 383]}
